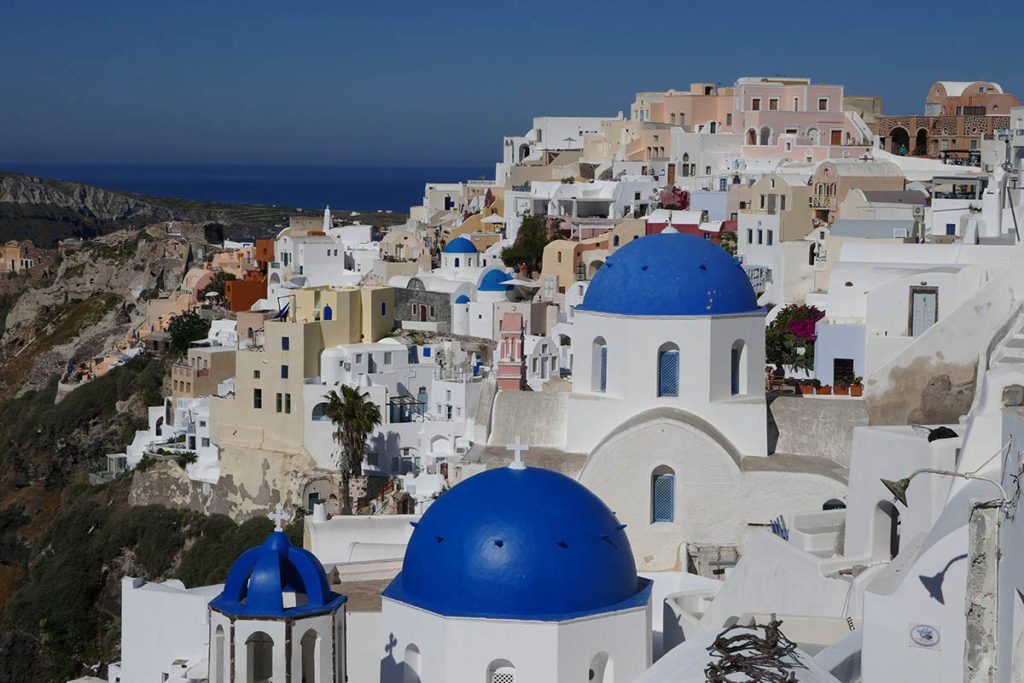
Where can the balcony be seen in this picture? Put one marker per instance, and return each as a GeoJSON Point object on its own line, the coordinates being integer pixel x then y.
{"type": "Point", "coordinates": [817, 202]}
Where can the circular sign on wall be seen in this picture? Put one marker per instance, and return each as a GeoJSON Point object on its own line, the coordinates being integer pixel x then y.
{"type": "Point", "coordinates": [924, 635]}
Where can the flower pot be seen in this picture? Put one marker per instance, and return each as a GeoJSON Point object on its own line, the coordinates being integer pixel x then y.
{"type": "Point", "coordinates": [842, 391]}
{"type": "Point", "coordinates": [806, 388]}
{"type": "Point", "coordinates": [856, 390]}
{"type": "Point", "coordinates": [824, 390]}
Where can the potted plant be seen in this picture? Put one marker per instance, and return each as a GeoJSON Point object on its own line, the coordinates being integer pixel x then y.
{"type": "Point", "coordinates": [857, 388]}
{"type": "Point", "coordinates": [807, 386]}
{"type": "Point", "coordinates": [842, 388]}
{"type": "Point", "coordinates": [824, 390]}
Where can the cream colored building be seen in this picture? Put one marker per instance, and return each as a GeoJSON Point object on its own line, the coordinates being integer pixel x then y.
{"type": "Point", "coordinates": [835, 178]}
{"type": "Point", "coordinates": [267, 410]}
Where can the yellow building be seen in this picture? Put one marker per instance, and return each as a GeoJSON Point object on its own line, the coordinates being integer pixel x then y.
{"type": "Point", "coordinates": [365, 314]}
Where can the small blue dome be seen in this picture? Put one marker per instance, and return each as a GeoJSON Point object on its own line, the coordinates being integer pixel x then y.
{"type": "Point", "coordinates": [492, 279]}
{"type": "Point", "coordinates": [670, 274]}
{"type": "Point", "coordinates": [462, 299]}
{"type": "Point", "coordinates": [261, 576]}
{"type": "Point", "coordinates": [460, 245]}
{"type": "Point", "coordinates": [519, 544]}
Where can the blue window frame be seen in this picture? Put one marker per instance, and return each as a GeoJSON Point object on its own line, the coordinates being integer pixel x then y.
{"type": "Point", "coordinates": [663, 498]}
{"type": "Point", "coordinates": [668, 372]}
{"type": "Point", "coordinates": [285, 342]}
{"type": "Point", "coordinates": [951, 228]}
{"type": "Point", "coordinates": [284, 372]}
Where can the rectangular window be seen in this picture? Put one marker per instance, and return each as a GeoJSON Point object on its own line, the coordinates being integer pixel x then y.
{"type": "Point", "coordinates": [431, 312]}
{"type": "Point", "coordinates": [284, 372]}
{"type": "Point", "coordinates": [782, 202]}
{"type": "Point", "coordinates": [383, 308]}
{"type": "Point", "coordinates": [762, 201]}
{"type": "Point", "coordinates": [668, 373]}
{"type": "Point", "coordinates": [559, 254]}
{"type": "Point", "coordinates": [728, 119]}
{"type": "Point", "coordinates": [205, 442]}
{"type": "Point", "coordinates": [773, 104]}
{"type": "Point", "coordinates": [255, 374]}
{"type": "Point", "coordinates": [755, 104]}
{"type": "Point", "coordinates": [257, 399]}
{"type": "Point", "coordinates": [387, 358]}
{"type": "Point", "coordinates": [279, 403]}
{"type": "Point", "coordinates": [359, 358]}
{"type": "Point", "coordinates": [288, 404]}
{"type": "Point", "coordinates": [760, 236]}
{"type": "Point", "coordinates": [285, 343]}
{"type": "Point", "coordinates": [822, 104]}
{"type": "Point", "coordinates": [663, 494]}
{"type": "Point", "coordinates": [796, 104]}
{"type": "Point", "coordinates": [951, 229]}
{"type": "Point", "coordinates": [750, 236]}
{"type": "Point", "coordinates": [770, 236]}
{"type": "Point", "coordinates": [723, 184]}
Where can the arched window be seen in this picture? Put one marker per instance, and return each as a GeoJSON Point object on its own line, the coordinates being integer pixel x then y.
{"type": "Point", "coordinates": [249, 333]}
{"type": "Point", "coordinates": [599, 369]}
{"type": "Point", "coordinates": [751, 137]}
{"type": "Point", "coordinates": [714, 126]}
{"type": "Point", "coordinates": [766, 135]}
{"type": "Point", "coordinates": [615, 241]}
{"type": "Point", "coordinates": [259, 658]}
{"type": "Point", "coordinates": [668, 370]}
{"type": "Point", "coordinates": [310, 645]}
{"type": "Point", "coordinates": [833, 504]}
{"type": "Point", "coordinates": [501, 671]}
{"type": "Point", "coordinates": [411, 665]}
{"type": "Point", "coordinates": [601, 669]}
{"type": "Point", "coordinates": [663, 494]}
{"type": "Point", "coordinates": [815, 136]}
{"type": "Point", "coordinates": [456, 261]}
{"type": "Point", "coordinates": [320, 412]}
{"type": "Point", "coordinates": [218, 656]}
{"type": "Point", "coordinates": [328, 313]}
{"type": "Point", "coordinates": [737, 364]}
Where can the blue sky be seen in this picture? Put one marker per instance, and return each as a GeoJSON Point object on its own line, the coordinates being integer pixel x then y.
{"type": "Point", "coordinates": [416, 83]}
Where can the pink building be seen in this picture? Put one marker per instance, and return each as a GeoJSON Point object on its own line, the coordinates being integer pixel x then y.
{"type": "Point", "coordinates": [511, 363]}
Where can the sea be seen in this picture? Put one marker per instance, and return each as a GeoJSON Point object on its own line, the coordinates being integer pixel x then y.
{"type": "Point", "coordinates": [343, 188]}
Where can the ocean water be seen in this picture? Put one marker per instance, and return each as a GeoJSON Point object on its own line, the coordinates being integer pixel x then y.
{"type": "Point", "coordinates": [345, 188]}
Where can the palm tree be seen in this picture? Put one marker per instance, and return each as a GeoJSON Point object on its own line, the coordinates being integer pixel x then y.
{"type": "Point", "coordinates": [354, 418]}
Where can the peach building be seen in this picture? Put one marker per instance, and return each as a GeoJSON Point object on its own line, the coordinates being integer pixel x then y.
{"type": "Point", "coordinates": [17, 256]}
{"type": "Point", "coordinates": [834, 179]}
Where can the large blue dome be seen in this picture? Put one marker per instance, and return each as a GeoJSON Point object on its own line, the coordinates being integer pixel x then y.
{"type": "Point", "coordinates": [519, 544]}
{"type": "Point", "coordinates": [492, 281]}
{"type": "Point", "coordinates": [460, 245]}
{"type": "Point", "coordinates": [670, 274]}
{"type": "Point", "coordinates": [261, 576]}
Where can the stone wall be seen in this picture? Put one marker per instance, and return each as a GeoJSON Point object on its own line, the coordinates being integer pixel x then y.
{"type": "Point", "coordinates": [818, 426]}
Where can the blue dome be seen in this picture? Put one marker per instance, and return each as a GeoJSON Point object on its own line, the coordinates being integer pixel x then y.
{"type": "Point", "coordinates": [519, 544]}
{"type": "Point", "coordinates": [492, 279]}
{"type": "Point", "coordinates": [460, 245]}
{"type": "Point", "coordinates": [670, 274]}
{"type": "Point", "coordinates": [261, 575]}
{"type": "Point", "coordinates": [462, 299]}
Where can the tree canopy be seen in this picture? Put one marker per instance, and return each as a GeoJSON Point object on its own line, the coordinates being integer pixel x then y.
{"type": "Point", "coordinates": [529, 246]}
{"type": "Point", "coordinates": [186, 328]}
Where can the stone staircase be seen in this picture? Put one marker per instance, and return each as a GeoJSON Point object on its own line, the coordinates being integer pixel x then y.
{"type": "Point", "coordinates": [1008, 348]}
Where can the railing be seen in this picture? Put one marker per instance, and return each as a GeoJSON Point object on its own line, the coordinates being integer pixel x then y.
{"type": "Point", "coordinates": [817, 202]}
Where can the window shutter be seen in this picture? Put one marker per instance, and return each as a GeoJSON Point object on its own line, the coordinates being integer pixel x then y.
{"type": "Point", "coordinates": [604, 368]}
{"type": "Point", "coordinates": [668, 373]}
{"type": "Point", "coordinates": [664, 497]}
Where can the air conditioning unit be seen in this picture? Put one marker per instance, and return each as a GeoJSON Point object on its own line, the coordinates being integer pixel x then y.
{"type": "Point", "coordinates": [918, 211]}
{"type": "Point", "coordinates": [900, 233]}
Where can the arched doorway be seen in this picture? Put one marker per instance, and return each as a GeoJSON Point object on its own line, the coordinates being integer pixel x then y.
{"type": "Point", "coordinates": [601, 669]}
{"type": "Point", "coordinates": [899, 141]}
{"type": "Point", "coordinates": [766, 136]}
{"type": "Point", "coordinates": [259, 656]}
{"type": "Point", "coordinates": [217, 674]}
{"type": "Point", "coordinates": [501, 671]}
{"type": "Point", "coordinates": [411, 665]}
{"type": "Point", "coordinates": [310, 645]}
{"type": "Point", "coordinates": [814, 135]}
{"type": "Point", "coordinates": [328, 313]}
{"type": "Point", "coordinates": [751, 137]}
{"type": "Point", "coordinates": [921, 143]}
{"type": "Point", "coordinates": [592, 269]}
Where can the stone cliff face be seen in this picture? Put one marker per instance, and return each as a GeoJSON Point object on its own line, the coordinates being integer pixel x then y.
{"type": "Point", "coordinates": [84, 200]}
